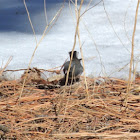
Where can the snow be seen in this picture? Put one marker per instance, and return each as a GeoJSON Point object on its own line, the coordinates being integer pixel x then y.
{"type": "Point", "coordinates": [103, 52]}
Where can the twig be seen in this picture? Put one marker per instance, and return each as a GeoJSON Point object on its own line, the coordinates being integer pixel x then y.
{"type": "Point", "coordinates": [90, 8]}
{"type": "Point", "coordinates": [76, 30]}
{"type": "Point", "coordinates": [132, 55]}
{"type": "Point", "coordinates": [125, 22]}
{"type": "Point", "coordinates": [59, 11]}
{"type": "Point", "coordinates": [30, 20]}
{"type": "Point", "coordinates": [113, 27]}
{"type": "Point", "coordinates": [45, 11]}
{"type": "Point", "coordinates": [7, 63]}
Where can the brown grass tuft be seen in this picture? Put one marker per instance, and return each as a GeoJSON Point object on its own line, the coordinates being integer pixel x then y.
{"type": "Point", "coordinates": [38, 114]}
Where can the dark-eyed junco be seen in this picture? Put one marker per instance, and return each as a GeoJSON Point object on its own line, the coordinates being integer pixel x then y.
{"type": "Point", "coordinates": [76, 68]}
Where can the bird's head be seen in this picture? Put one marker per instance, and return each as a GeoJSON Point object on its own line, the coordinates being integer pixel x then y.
{"type": "Point", "coordinates": [75, 54]}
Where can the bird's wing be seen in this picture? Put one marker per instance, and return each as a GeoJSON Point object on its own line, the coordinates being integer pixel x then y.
{"type": "Point", "coordinates": [66, 66]}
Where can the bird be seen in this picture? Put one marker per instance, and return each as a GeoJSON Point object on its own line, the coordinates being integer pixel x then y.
{"type": "Point", "coordinates": [76, 69]}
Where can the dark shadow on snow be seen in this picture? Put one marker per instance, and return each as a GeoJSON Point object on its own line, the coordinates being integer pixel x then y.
{"type": "Point", "coordinates": [13, 16]}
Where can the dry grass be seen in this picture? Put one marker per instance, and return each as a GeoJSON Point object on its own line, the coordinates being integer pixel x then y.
{"type": "Point", "coordinates": [67, 112]}
{"type": "Point", "coordinates": [39, 116]}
